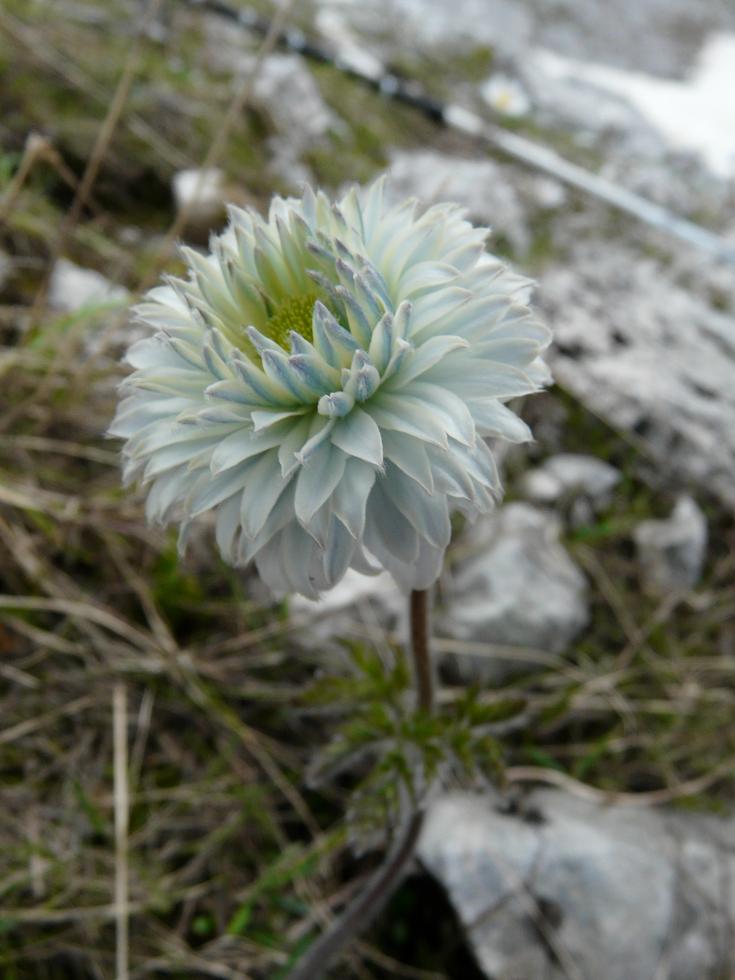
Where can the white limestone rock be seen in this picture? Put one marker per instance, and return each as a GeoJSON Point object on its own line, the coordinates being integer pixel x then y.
{"type": "Point", "coordinates": [565, 887]}
{"type": "Point", "coordinates": [649, 353]}
{"type": "Point", "coordinates": [366, 601]}
{"type": "Point", "coordinates": [201, 195]}
{"type": "Point", "coordinates": [671, 552]}
{"type": "Point", "coordinates": [581, 484]}
{"type": "Point", "coordinates": [286, 89]}
{"type": "Point", "coordinates": [73, 288]}
{"type": "Point", "coordinates": [518, 587]}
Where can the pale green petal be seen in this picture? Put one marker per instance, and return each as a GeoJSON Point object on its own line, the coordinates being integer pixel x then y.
{"type": "Point", "coordinates": [387, 531]}
{"type": "Point", "coordinates": [492, 418]}
{"type": "Point", "coordinates": [219, 488]}
{"type": "Point", "coordinates": [243, 444]}
{"type": "Point", "coordinates": [423, 358]}
{"type": "Point", "coordinates": [409, 454]}
{"type": "Point", "coordinates": [358, 435]}
{"type": "Point", "coordinates": [338, 552]}
{"type": "Point", "coordinates": [262, 489]}
{"type": "Point", "coordinates": [317, 480]}
{"type": "Point", "coordinates": [395, 413]}
{"type": "Point", "coordinates": [351, 495]}
{"type": "Point", "coordinates": [228, 526]}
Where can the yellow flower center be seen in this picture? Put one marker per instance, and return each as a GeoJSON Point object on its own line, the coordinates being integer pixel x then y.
{"type": "Point", "coordinates": [292, 314]}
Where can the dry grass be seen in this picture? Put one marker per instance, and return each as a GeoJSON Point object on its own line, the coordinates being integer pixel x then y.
{"type": "Point", "coordinates": [182, 815]}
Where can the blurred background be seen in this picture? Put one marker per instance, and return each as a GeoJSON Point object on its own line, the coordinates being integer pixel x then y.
{"type": "Point", "coordinates": [585, 633]}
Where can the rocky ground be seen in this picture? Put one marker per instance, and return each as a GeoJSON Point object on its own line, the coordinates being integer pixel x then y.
{"type": "Point", "coordinates": [589, 620]}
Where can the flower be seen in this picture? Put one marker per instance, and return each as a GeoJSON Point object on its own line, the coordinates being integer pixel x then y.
{"type": "Point", "coordinates": [324, 380]}
{"type": "Point", "coordinates": [506, 96]}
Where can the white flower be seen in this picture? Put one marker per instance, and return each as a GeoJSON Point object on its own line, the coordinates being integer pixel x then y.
{"type": "Point", "coordinates": [506, 96]}
{"type": "Point", "coordinates": [324, 380]}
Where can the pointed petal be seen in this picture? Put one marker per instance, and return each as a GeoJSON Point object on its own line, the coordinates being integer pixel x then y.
{"type": "Point", "coordinates": [403, 415]}
{"type": "Point", "coordinates": [423, 358]}
{"type": "Point", "coordinates": [358, 435]}
{"type": "Point", "coordinates": [219, 488]}
{"type": "Point", "coordinates": [338, 552]}
{"type": "Point", "coordinates": [351, 495]}
{"type": "Point", "coordinates": [291, 444]}
{"type": "Point", "coordinates": [387, 531]}
{"type": "Point", "coordinates": [331, 340]}
{"type": "Point", "coordinates": [228, 525]}
{"type": "Point", "coordinates": [429, 515]}
{"type": "Point", "coordinates": [242, 445]}
{"type": "Point", "coordinates": [316, 481]}
{"type": "Point", "coordinates": [492, 418]}
{"type": "Point", "coordinates": [409, 454]}
{"type": "Point", "coordinates": [263, 488]}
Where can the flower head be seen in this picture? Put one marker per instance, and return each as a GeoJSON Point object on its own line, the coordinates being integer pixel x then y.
{"type": "Point", "coordinates": [324, 380]}
{"type": "Point", "coordinates": [506, 96]}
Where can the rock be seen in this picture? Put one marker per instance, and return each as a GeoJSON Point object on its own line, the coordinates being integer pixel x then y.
{"type": "Point", "coordinates": [202, 195]}
{"type": "Point", "coordinates": [570, 888]}
{"type": "Point", "coordinates": [671, 552]}
{"type": "Point", "coordinates": [519, 587]}
{"type": "Point", "coordinates": [72, 288]}
{"type": "Point", "coordinates": [641, 348]}
{"type": "Point", "coordinates": [481, 186]}
{"type": "Point", "coordinates": [225, 47]}
{"type": "Point", "coordinates": [584, 483]}
{"type": "Point", "coordinates": [701, 98]}
{"type": "Point", "coordinates": [286, 89]}
{"type": "Point", "coordinates": [547, 194]}
{"type": "Point", "coordinates": [365, 600]}
{"type": "Point", "coordinates": [568, 97]}
{"type": "Point", "coordinates": [396, 25]}
{"type": "Point", "coordinates": [617, 34]}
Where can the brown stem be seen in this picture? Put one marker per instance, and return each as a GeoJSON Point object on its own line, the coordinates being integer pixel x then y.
{"type": "Point", "coordinates": [364, 908]}
{"type": "Point", "coordinates": [420, 649]}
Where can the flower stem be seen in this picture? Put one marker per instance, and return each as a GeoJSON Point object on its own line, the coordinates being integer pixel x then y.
{"type": "Point", "coordinates": [364, 908]}
{"type": "Point", "coordinates": [420, 648]}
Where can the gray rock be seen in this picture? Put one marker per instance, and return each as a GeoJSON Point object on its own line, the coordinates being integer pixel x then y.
{"type": "Point", "coordinates": [570, 888]}
{"type": "Point", "coordinates": [286, 89]}
{"type": "Point", "coordinates": [201, 195]}
{"type": "Point", "coordinates": [225, 47]}
{"type": "Point", "coordinates": [72, 288]}
{"type": "Point", "coordinates": [584, 484]}
{"type": "Point", "coordinates": [640, 347]}
{"type": "Point", "coordinates": [518, 587]}
{"type": "Point", "coordinates": [396, 25]}
{"type": "Point", "coordinates": [616, 34]}
{"type": "Point", "coordinates": [628, 117]}
{"type": "Point", "coordinates": [562, 97]}
{"type": "Point", "coordinates": [547, 194]}
{"type": "Point", "coordinates": [481, 186]}
{"type": "Point", "coordinates": [671, 552]}
{"type": "Point", "coordinates": [365, 601]}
